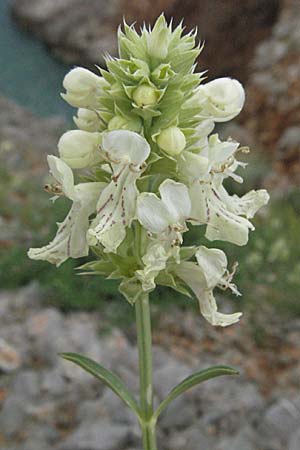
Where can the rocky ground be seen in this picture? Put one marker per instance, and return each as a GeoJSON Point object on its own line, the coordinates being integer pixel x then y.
{"type": "Point", "coordinates": [273, 96]}
{"type": "Point", "coordinates": [47, 403]}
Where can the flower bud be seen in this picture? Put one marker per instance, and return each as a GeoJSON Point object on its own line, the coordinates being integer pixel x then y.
{"type": "Point", "coordinates": [145, 95]}
{"type": "Point", "coordinates": [82, 87]}
{"type": "Point", "coordinates": [222, 99]}
{"type": "Point", "coordinates": [171, 140]}
{"type": "Point", "coordinates": [87, 120]}
{"type": "Point", "coordinates": [121, 123]}
{"type": "Point", "coordinates": [79, 149]}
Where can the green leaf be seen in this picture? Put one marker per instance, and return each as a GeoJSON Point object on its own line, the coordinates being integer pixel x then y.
{"type": "Point", "coordinates": [109, 378]}
{"type": "Point", "coordinates": [193, 380]}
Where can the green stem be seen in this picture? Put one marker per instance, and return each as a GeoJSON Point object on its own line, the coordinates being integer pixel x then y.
{"type": "Point", "coordinates": [144, 339]}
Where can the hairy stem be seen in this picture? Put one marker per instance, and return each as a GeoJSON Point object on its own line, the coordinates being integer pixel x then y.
{"type": "Point", "coordinates": [144, 339]}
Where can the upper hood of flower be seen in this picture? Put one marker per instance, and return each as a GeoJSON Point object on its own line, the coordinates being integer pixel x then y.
{"type": "Point", "coordinates": [173, 208]}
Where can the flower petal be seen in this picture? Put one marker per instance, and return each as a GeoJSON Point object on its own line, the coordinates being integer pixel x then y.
{"type": "Point", "coordinates": [124, 145]}
{"type": "Point", "coordinates": [152, 213]}
{"type": "Point", "coordinates": [62, 173]}
{"type": "Point", "coordinates": [116, 207]}
{"type": "Point", "coordinates": [220, 151]}
{"type": "Point", "coordinates": [250, 203]}
{"type": "Point", "coordinates": [175, 197]}
{"type": "Point", "coordinates": [211, 207]}
{"type": "Point", "coordinates": [115, 210]}
{"type": "Point", "coordinates": [213, 263]}
{"type": "Point", "coordinates": [195, 278]}
{"type": "Point", "coordinates": [209, 310]}
{"type": "Point", "coordinates": [70, 239]}
{"type": "Point", "coordinates": [226, 226]}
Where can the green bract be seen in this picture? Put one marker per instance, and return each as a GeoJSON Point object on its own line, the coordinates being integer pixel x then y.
{"type": "Point", "coordinates": [152, 166]}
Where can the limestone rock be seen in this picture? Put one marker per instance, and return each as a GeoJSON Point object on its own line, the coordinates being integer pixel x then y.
{"type": "Point", "coordinates": [10, 358]}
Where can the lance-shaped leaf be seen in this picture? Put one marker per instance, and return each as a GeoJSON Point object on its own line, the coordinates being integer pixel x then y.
{"type": "Point", "coordinates": [126, 151]}
{"type": "Point", "coordinates": [106, 376]}
{"type": "Point", "coordinates": [193, 380]}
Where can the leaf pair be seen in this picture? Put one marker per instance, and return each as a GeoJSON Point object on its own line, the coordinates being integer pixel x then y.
{"type": "Point", "coordinates": [117, 386]}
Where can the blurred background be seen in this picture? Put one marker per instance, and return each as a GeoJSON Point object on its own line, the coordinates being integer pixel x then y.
{"type": "Point", "coordinates": [47, 404]}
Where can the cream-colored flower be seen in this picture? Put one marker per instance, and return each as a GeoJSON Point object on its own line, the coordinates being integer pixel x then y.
{"type": "Point", "coordinates": [70, 239]}
{"type": "Point", "coordinates": [221, 99]}
{"type": "Point", "coordinates": [87, 120]}
{"type": "Point", "coordinates": [126, 151]}
{"type": "Point", "coordinates": [165, 216]}
{"type": "Point", "coordinates": [83, 88]}
{"type": "Point", "coordinates": [209, 272]}
{"type": "Point", "coordinates": [80, 149]}
{"type": "Point", "coordinates": [171, 140]}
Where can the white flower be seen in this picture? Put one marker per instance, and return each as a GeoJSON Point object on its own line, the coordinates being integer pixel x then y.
{"type": "Point", "coordinates": [83, 88]}
{"type": "Point", "coordinates": [87, 120]}
{"type": "Point", "coordinates": [221, 99]}
{"type": "Point", "coordinates": [214, 156]}
{"type": "Point", "coordinates": [171, 140]}
{"type": "Point", "coordinates": [126, 151]}
{"type": "Point", "coordinates": [212, 205]}
{"type": "Point", "coordinates": [205, 172]}
{"type": "Point", "coordinates": [203, 130]}
{"type": "Point", "coordinates": [209, 272]}
{"type": "Point", "coordinates": [70, 239]}
{"type": "Point", "coordinates": [165, 216]}
{"type": "Point", "coordinates": [80, 149]}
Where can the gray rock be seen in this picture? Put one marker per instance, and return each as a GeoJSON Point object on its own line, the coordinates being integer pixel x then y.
{"type": "Point", "coordinates": [26, 385]}
{"type": "Point", "coordinates": [101, 435]}
{"type": "Point", "coordinates": [280, 420]}
{"type": "Point", "coordinates": [193, 438]}
{"type": "Point", "coordinates": [269, 53]}
{"type": "Point", "coordinates": [294, 443]}
{"type": "Point", "coordinates": [12, 415]}
{"type": "Point", "coordinates": [289, 144]}
{"type": "Point", "coordinates": [25, 138]}
{"type": "Point", "coordinates": [169, 375]}
{"type": "Point", "coordinates": [29, 296]}
{"type": "Point", "coordinates": [10, 358]}
{"type": "Point", "coordinates": [244, 440]}
{"type": "Point", "coordinates": [180, 413]}
{"type": "Point", "coordinates": [227, 405]}
{"type": "Point", "coordinates": [39, 436]}
{"type": "Point", "coordinates": [52, 383]}
{"type": "Point", "coordinates": [46, 329]}
{"type": "Point", "coordinates": [5, 303]}
{"type": "Point", "coordinates": [114, 409]}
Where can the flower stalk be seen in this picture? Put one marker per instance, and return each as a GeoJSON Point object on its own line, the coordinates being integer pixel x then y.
{"type": "Point", "coordinates": [144, 339]}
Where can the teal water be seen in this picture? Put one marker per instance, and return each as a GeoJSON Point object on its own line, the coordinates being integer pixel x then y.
{"type": "Point", "coordinates": [28, 73]}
